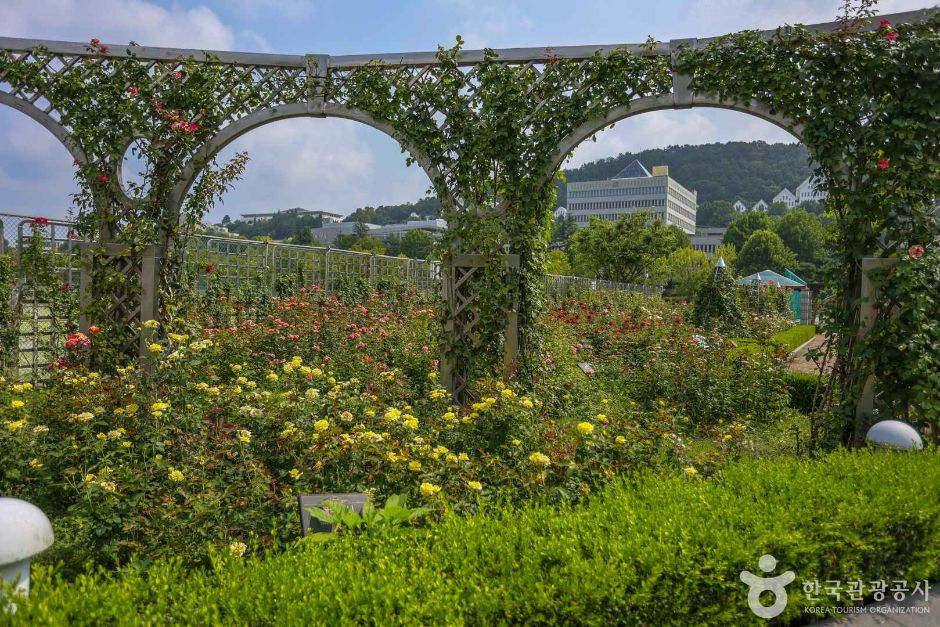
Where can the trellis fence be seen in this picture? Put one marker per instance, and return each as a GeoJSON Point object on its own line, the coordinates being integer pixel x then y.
{"type": "Point", "coordinates": [34, 325]}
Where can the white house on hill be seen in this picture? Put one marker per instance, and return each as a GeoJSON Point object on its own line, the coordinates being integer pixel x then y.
{"type": "Point", "coordinates": [786, 197]}
{"type": "Point", "coordinates": [739, 206]}
{"type": "Point", "coordinates": [760, 205]}
{"type": "Point", "coordinates": [809, 190]}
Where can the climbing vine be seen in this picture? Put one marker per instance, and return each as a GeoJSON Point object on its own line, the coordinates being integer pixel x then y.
{"type": "Point", "coordinates": [862, 97]}
{"type": "Point", "coordinates": [492, 139]}
{"type": "Point", "coordinates": [865, 97]}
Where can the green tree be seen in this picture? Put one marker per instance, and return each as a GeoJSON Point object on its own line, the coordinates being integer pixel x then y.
{"type": "Point", "coordinates": [728, 252]}
{"type": "Point", "coordinates": [684, 270]}
{"type": "Point", "coordinates": [558, 263]}
{"type": "Point", "coordinates": [715, 213]}
{"type": "Point", "coordinates": [746, 223]}
{"type": "Point", "coordinates": [764, 250]}
{"type": "Point", "coordinates": [777, 209]}
{"type": "Point", "coordinates": [303, 237]}
{"type": "Point", "coordinates": [563, 228]}
{"type": "Point", "coordinates": [716, 305]}
{"type": "Point", "coordinates": [226, 220]}
{"type": "Point", "coordinates": [803, 233]}
{"type": "Point", "coordinates": [416, 244]}
{"type": "Point", "coordinates": [624, 250]}
{"type": "Point", "coordinates": [369, 244]}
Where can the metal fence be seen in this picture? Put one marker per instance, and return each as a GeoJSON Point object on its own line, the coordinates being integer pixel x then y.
{"type": "Point", "coordinates": [35, 333]}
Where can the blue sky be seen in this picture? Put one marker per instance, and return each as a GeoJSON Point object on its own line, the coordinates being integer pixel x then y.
{"type": "Point", "coordinates": [339, 165]}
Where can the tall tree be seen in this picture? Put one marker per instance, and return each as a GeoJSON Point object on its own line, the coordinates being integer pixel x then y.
{"type": "Point", "coordinates": [803, 233]}
{"type": "Point", "coordinates": [683, 270]}
{"type": "Point", "coordinates": [715, 213]}
{"type": "Point", "coordinates": [764, 250]}
{"type": "Point", "coordinates": [746, 223]}
{"type": "Point", "coordinates": [624, 250]}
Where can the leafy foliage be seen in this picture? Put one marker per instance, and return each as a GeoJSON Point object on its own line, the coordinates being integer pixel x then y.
{"type": "Point", "coordinates": [716, 304]}
{"type": "Point", "coordinates": [624, 250]}
{"type": "Point", "coordinates": [696, 536]}
{"type": "Point", "coordinates": [741, 227]}
{"type": "Point", "coordinates": [764, 250]}
{"type": "Point", "coordinates": [877, 147]}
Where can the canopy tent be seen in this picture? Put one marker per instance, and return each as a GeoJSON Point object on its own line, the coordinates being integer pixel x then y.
{"type": "Point", "coordinates": [769, 276]}
{"type": "Point", "coordinates": [800, 306]}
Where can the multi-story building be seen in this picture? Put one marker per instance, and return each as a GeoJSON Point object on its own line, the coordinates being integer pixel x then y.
{"type": "Point", "coordinates": [708, 239]}
{"type": "Point", "coordinates": [327, 234]}
{"type": "Point", "coordinates": [632, 190]}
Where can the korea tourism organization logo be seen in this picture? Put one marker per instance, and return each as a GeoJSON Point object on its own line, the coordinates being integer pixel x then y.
{"type": "Point", "coordinates": [831, 596]}
{"type": "Point", "coordinates": [776, 585]}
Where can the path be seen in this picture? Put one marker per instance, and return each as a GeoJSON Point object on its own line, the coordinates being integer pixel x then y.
{"type": "Point", "coordinates": [798, 360]}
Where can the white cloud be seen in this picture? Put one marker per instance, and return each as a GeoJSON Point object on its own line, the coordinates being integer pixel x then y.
{"type": "Point", "coordinates": [331, 164]}
{"type": "Point", "coordinates": [116, 21]}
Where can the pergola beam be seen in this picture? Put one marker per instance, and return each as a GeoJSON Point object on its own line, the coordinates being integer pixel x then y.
{"type": "Point", "coordinates": [350, 61]}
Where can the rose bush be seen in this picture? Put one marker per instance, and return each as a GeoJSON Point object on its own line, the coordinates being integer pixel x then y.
{"type": "Point", "coordinates": [245, 408]}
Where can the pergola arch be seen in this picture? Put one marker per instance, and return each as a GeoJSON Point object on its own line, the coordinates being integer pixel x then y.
{"type": "Point", "coordinates": [268, 115]}
{"type": "Point", "coordinates": [47, 121]}
{"type": "Point", "coordinates": [662, 103]}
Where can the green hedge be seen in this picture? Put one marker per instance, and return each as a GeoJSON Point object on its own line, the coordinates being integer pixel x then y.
{"type": "Point", "coordinates": [659, 551]}
{"type": "Point", "coordinates": [802, 387]}
{"type": "Point", "coordinates": [794, 337]}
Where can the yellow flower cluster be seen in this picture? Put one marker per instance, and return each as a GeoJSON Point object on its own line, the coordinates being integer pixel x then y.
{"type": "Point", "coordinates": [540, 459]}
{"type": "Point", "coordinates": [429, 489]}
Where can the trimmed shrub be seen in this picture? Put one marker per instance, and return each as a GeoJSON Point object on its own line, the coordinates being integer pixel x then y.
{"type": "Point", "coordinates": [658, 551]}
{"type": "Point", "coordinates": [802, 387]}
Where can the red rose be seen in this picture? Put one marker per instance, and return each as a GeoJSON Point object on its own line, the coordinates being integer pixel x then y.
{"type": "Point", "coordinates": [95, 41]}
{"type": "Point", "coordinates": [133, 91]}
{"type": "Point", "coordinates": [885, 23]}
{"type": "Point", "coordinates": [884, 164]}
{"type": "Point", "coordinates": [916, 251]}
{"type": "Point", "coordinates": [177, 75]}
{"type": "Point", "coordinates": [66, 286]}
{"type": "Point", "coordinates": [891, 36]}
{"type": "Point", "coordinates": [40, 221]}
{"type": "Point", "coordinates": [103, 177]}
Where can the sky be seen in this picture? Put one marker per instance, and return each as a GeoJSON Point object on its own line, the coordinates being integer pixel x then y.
{"type": "Point", "coordinates": [339, 165]}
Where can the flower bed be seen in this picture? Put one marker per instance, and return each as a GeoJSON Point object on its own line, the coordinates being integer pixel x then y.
{"type": "Point", "coordinates": [660, 551]}
{"type": "Point", "coordinates": [315, 393]}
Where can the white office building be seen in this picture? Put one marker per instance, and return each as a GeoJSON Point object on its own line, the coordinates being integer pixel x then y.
{"type": "Point", "coordinates": [632, 190]}
{"type": "Point", "coordinates": [708, 239]}
{"type": "Point", "coordinates": [327, 234]}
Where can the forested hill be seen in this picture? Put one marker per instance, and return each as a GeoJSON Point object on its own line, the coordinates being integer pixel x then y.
{"type": "Point", "coordinates": [747, 170]}
{"type": "Point", "coordinates": [392, 214]}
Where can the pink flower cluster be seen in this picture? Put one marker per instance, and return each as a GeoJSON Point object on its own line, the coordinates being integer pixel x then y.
{"type": "Point", "coordinates": [184, 126]}
{"type": "Point", "coordinates": [77, 340]}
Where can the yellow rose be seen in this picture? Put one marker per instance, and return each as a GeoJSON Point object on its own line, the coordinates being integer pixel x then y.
{"type": "Point", "coordinates": [321, 425]}
{"type": "Point", "coordinates": [155, 348]}
{"type": "Point", "coordinates": [475, 485]}
{"type": "Point", "coordinates": [540, 459]}
{"type": "Point", "coordinates": [585, 428]}
{"type": "Point", "coordinates": [429, 489]}
{"type": "Point", "coordinates": [16, 403]}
